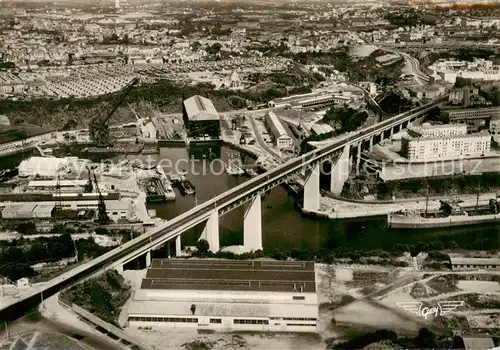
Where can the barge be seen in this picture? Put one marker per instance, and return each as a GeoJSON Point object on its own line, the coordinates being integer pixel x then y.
{"type": "Point", "coordinates": [449, 215]}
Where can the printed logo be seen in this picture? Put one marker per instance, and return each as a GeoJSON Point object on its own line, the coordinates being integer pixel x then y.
{"type": "Point", "coordinates": [5, 3]}
{"type": "Point", "coordinates": [442, 308]}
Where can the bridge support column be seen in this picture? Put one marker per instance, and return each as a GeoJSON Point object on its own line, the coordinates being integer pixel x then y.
{"type": "Point", "coordinates": [167, 249]}
{"type": "Point", "coordinates": [340, 171]}
{"type": "Point", "coordinates": [392, 132]}
{"type": "Point", "coordinates": [252, 225]}
{"type": "Point", "coordinates": [119, 268]}
{"type": "Point", "coordinates": [358, 157]}
{"type": "Point", "coordinates": [148, 259]}
{"type": "Point", "coordinates": [311, 190]}
{"type": "Point", "coordinates": [211, 231]}
{"type": "Point", "coordinates": [371, 143]}
{"type": "Point", "coordinates": [178, 246]}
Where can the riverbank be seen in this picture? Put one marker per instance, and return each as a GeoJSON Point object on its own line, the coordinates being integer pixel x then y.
{"type": "Point", "coordinates": [339, 209]}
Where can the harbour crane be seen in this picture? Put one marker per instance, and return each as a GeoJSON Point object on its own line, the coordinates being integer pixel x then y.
{"type": "Point", "coordinates": [99, 127]}
{"type": "Point", "coordinates": [102, 215]}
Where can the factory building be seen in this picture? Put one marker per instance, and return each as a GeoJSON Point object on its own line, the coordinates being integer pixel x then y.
{"type": "Point", "coordinates": [278, 132]}
{"type": "Point", "coordinates": [423, 149]}
{"type": "Point", "coordinates": [227, 295]}
{"type": "Point", "coordinates": [201, 119]}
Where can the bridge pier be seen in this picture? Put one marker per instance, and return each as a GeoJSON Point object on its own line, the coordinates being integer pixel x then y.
{"type": "Point", "coordinates": [311, 190]}
{"type": "Point", "coordinates": [391, 133]}
{"type": "Point", "coordinates": [178, 246]}
{"type": "Point", "coordinates": [371, 143]}
{"type": "Point", "coordinates": [119, 268]}
{"type": "Point", "coordinates": [148, 259]}
{"type": "Point", "coordinates": [340, 171]}
{"type": "Point", "coordinates": [252, 225]}
{"type": "Point", "coordinates": [211, 231]}
{"type": "Point", "coordinates": [358, 157]}
{"type": "Point", "coordinates": [167, 249]}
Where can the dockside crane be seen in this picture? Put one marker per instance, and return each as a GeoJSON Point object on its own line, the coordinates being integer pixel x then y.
{"type": "Point", "coordinates": [102, 215]}
{"type": "Point", "coordinates": [99, 127]}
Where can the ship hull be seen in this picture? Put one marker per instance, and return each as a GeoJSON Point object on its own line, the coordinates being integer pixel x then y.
{"type": "Point", "coordinates": [418, 222]}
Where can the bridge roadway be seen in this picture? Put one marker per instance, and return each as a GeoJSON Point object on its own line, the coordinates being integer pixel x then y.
{"type": "Point", "coordinates": [224, 202]}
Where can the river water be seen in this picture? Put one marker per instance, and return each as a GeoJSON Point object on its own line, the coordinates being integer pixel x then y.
{"type": "Point", "coordinates": [283, 227]}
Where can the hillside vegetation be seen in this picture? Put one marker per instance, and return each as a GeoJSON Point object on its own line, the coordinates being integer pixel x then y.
{"type": "Point", "coordinates": [103, 296]}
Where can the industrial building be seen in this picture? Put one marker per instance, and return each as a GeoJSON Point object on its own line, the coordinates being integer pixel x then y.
{"type": "Point", "coordinates": [319, 129]}
{"type": "Point", "coordinates": [227, 295]}
{"type": "Point", "coordinates": [27, 211]}
{"type": "Point", "coordinates": [475, 263]}
{"type": "Point", "coordinates": [20, 136]}
{"type": "Point", "coordinates": [444, 142]}
{"type": "Point", "coordinates": [278, 132]}
{"type": "Point", "coordinates": [73, 186]}
{"type": "Point", "coordinates": [313, 99]}
{"type": "Point", "coordinates": [464, 115]}
{"type": "Point", "coordinates": [116, 209]}
{"type": "Point", "coordinates": [201, 119]}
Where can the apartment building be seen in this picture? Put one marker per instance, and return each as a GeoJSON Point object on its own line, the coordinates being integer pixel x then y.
{"type": "Point", "coordinates": [447, 142]}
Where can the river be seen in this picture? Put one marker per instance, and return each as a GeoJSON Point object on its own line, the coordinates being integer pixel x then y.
{"type": "Point", "coordinates": [284, 228]}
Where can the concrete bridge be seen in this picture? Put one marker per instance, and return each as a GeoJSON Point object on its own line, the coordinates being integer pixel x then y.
{"type": "Point", "coordinates": [339, 153]}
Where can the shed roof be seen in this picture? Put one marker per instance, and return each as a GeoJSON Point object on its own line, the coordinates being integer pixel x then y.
{"type": "Point", "coordinates": [250, 275]}
{"type": "Point", "coordinates": [200, 108]}
{"type": "Point", "coordinates": [275, 125]}
{"type": "Point", "coordinates": [44, 208]}
{"type": "Point", "coordinates": [475, 261]}
{"type": "Point", "coordinates": [478, 343]}
{"type": "Point", "coordinates": [321, 128]}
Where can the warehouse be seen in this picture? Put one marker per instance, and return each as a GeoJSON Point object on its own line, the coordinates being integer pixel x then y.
{"type": "Point", "coordinates": [225, 295]}
{"type": "Point", "coordinates": [75, 186]}
{"type": "Point", "coordinates": [475, 264]}
{"type": "Point", "coordinates": [116, 209]}
{"type": "Point", "coordinates": [201, 119]}
{"type": "Point", "coordinates": [27, 211]}
{"type": "Point", "coordinates": [319, 129]}
{"type": "Point", "coordinates": [278, 132]}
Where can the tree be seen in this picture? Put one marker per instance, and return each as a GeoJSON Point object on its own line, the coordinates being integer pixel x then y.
{"type": "Point", "coordinates": [26, 228]}
{"type": "Point", "coordinates": [426, 339]}
{"type": "Point", "coordinates": [203, 246]}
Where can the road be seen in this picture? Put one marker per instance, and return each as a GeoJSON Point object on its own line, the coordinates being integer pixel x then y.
{"type": "Point", "coordinates": [413, 62]}
{"type": "Point", "coordinates": [198, 214]}
{"type": "Point", "coordinates": [259, 139]}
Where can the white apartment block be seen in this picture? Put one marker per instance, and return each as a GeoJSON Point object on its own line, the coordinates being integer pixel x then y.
{"type": "Point", "coordinates": [479, 69]}
{"type": "Point", "coordinates": [445, 130]}
{"type": "Point", "coordinates": [423, 149]}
